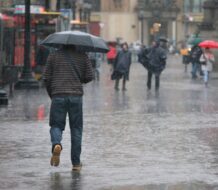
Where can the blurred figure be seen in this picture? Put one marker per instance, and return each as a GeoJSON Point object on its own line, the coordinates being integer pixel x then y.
{"type": "Point", "coordinates": [41, 58]}
{"type": "Point", "coordinates": [157, 62]}
{"type": "Point", "coordinates": [111, 55]}
{"type": "Point", "coordinates": [42, 54]}
{"type": "Point", "coordinates": [135, 49]}
{"type": "Point", "coordinates": [96, 59]}
{"type": "Point", "coordinates": [207, 59]}
{"type": "Point", "coordinates": [141, 53]}
{"type": "Point", "coordinates": [195, 55]}
{"type": "Point", "coordinates": [122, 66]}
{"type": "Point", "coordinates": [185, 56]}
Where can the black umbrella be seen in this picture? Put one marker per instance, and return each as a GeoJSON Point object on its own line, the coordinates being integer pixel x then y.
{"type": "Point", "coordinates": [82, 40]}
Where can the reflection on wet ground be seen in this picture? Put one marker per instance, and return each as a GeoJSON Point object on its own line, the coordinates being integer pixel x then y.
{"type": "Point", "coordinates": [137, 139]}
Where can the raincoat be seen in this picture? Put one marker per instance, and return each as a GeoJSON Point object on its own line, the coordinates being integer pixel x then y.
{"type": "Point", "coordinates": [122, 65]}
{"type": "Point", "coordinates": [195, 54]}
{"type": "Point", "coordinates": [157, 59]}
{"type": "Point", "coordinates": [208, 59]}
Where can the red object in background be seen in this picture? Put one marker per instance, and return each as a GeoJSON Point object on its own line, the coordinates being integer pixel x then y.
{"type": "Point", "coordinates": [19, 21]}
{"type": "Point", "coordinates": [8, 20]}
{"type": "Point", "coordinates": [112, 53]}
{"type": "Point", "coordinates": [94, 28]}
{"type": "Point", "coordinates": [208, 44]}
{"type": "Point", "coordinates": [5, 17]}
{"type": "Point", "coordinates": [41, 112]}
{"type": "Point", "coordinates": [18, 58]}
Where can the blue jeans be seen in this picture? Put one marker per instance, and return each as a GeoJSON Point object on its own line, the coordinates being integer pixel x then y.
{"type": "Point", "coordinates": [60, 106]}
{"type": "Point", "coordinates": [206, 76]}
{"type": "Point", "coordinates": [195, 68]}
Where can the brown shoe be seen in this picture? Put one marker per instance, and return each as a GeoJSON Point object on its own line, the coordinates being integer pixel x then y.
{"type": "Point", "coordinates": [77, 168]}
{"type": "Point", "coordinates": [55, 159]}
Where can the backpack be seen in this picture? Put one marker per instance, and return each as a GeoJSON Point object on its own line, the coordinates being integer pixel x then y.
{"type": "Point", "coordinates": [195, 54]}
{"type": "Point", "coordinates": [143, 57]}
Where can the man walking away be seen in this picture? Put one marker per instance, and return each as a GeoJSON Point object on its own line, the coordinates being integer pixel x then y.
{"type": "Point", "coordinates": [195, 55]}
{"type": "Point", "coordinates": [65, 72]}
{"type": "Point", "coordinates": [157, 61]}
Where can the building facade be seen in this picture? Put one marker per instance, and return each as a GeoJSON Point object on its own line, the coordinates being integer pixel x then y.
{"type": "Point", "coordinates": [208, 29]}
{"type": "Point", "coordinates": [145, 20]}
{"type": "Point", "coordinates": [117, 20]}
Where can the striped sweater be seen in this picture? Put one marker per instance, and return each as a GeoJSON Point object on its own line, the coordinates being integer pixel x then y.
{"type": "Point", "coordinates": [60, 76]}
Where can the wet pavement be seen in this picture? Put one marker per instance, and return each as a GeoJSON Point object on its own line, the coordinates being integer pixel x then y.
{"type": "Point", "coordinates": [133, 140]}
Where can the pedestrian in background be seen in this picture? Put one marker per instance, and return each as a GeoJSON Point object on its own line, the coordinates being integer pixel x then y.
{"type": "Point", "coordinates": [157, 56]}
{"type": "Point", "coordinates": [185, 56]}
{"type": "Point", "coordinates": [96, 60]}
{"type": "Point", "coordinates": [41, 58]}
{"type": "Point", "coordinates": [122, 67]}
{"type": "Point", "coordinates": [207, 60]}
{"type": "Point", "coordinates": [141, 53]}
{"type": "Point", "coordinates": [65, 72]}
{"type": "Point", "coordinates": [195, 55]}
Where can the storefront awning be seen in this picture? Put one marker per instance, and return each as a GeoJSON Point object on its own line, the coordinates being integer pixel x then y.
{"type": "Point", "coordinates": [51, 13]}
{"type": "Point", "coordinates": [5, 17]}
{"type": "Point", "coordinates": [34, 10]}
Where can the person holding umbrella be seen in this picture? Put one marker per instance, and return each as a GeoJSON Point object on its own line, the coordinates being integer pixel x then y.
{"type": "Point", "coordinates": [66, 70]}
{"type": "Point", "coordinates": [207, 59]}
{"type": "Point", "coordinates": [64, 86]}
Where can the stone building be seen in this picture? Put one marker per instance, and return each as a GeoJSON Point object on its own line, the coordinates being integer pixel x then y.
{"type": "Point", "coordinates": [208, 29]}
{"type": "Point", "coordinates": [158, 18]}
{"type": "Point", "coordinates": [145, 20]}
{"type": "Point", "coordinates": [118, 20]}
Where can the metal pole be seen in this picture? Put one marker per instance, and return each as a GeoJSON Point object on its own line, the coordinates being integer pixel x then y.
{"type": "Point", "coordinates": [27, 80]}
{"type": "Point", "coordinates": [58, 5]}
{"type": "Point", "coordinates": [74, 9]}
{"type": "Point", "coordinates": [142, 30]}
{"type": "Point", "coordinates": [27, 36]}
{"type": "Point", "coordinates": [2, 37]}
{"type": "Point", "coordinates": [3, 93]}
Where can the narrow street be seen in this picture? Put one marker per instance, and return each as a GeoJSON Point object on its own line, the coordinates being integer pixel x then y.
{"type": "Point", "coordinates": [132, 140]}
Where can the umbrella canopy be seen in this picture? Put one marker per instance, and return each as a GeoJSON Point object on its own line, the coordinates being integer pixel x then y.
{"type": "Point", "coordinates": [208, 44]}
{"type": "Point", "coordinates": [194, 39]}
{"type": "Point", "coordinates": [163, 39]}
{"type": "Point", "coordinates": [82, 40]}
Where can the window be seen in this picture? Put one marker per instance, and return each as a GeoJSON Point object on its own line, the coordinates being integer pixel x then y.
{"type": "Point", "coordinates": [166, 3]}
{"type": "Point", "coordinates": [118, 3]}
{"type": "Point", "coordinates": [195, 6]}
{"type": "Point", "coordinates": [96, 5]}
{"type": "Point", "coordinates": [186, 6]}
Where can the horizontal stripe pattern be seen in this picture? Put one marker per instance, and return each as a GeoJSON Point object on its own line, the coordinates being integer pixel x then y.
{"type": "Point", "coordinates": [60, 76]}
